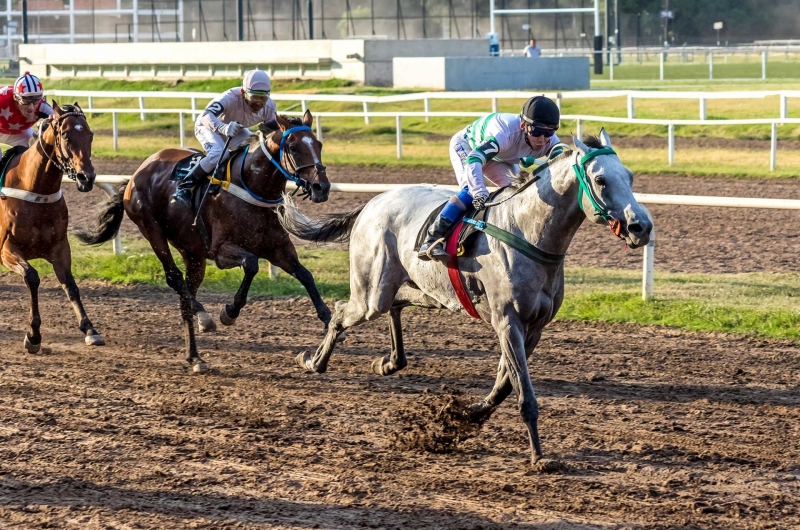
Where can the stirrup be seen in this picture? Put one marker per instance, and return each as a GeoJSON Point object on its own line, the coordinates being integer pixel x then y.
{"type": "Point", "coordinates": [440, 241]}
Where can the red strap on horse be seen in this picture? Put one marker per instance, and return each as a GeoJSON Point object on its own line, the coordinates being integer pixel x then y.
{"type": "Point", "coordinates": [455, 275]}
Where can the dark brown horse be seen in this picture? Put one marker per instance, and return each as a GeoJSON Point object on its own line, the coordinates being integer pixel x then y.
{"type": "Point", "coordinates": [241, 223]}
{"type": "Point", "coordinates": [33, 213]}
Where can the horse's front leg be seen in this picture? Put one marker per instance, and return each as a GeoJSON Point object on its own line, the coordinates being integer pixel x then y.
{"type": "Point", "coordinates": [16, 263]}
{"type": "Point", "coordinates": [512, 334]}
{"type": "Point", "coordinates": [285, 257]}
{"type": "Point", "coordinates": [228, 257]}
{"type": "Point", "coordinates": [61, 258]}
{"type": "Point", "coordinates": [482, 410]}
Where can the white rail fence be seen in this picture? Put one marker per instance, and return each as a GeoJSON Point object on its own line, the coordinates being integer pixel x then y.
{"type": "Point", "coordinates": [106, 182]}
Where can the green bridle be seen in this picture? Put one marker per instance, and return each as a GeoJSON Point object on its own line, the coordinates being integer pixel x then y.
{"type": "Point", "coordinates": [584, 186]}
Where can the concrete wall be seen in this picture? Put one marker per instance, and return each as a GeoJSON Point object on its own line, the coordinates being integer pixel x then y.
{"type": "Point", "coordinates": [492, 73]}
{"type": "Point", "coordinates": [361, 60]}
{"type": "Point", "coordinates": [380, 53]}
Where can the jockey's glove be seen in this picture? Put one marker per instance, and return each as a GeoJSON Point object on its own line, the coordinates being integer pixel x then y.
{"type": "Point", "coordinates": [479, 202]}
{"type": "Point", "coordinates": [232, 129]}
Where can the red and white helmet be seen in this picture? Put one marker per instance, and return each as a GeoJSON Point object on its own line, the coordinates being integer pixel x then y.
{"type": "Point", "coordinates": [28, 88]}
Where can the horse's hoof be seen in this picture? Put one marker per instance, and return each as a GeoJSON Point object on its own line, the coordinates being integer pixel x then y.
{"type": "Point", "coordinates": [341, 336]}
{"type": "Point", "coordinates": [547, 465]}
{"type": "Point", "coordinates": [224, 318]}
{"type": "Point", "coordinates": [205, 323]}
{"type": "Point", "coordinates": [307, 363]}
{"type": "Point", "coordinates": [382, 366]}
{"type": "Point", "coordinates": [200, 367]}
{"type": "Point", "coordinates": [31, 347]}
{"type": "Point", "coordinates": [94, 340]}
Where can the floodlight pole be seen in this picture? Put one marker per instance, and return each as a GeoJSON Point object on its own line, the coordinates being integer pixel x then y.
{"type": "Point", "coordinates": [598, 40]}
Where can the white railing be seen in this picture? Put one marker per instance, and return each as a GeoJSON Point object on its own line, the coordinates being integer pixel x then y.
{"type": "Point", "coordinates": [648, 254]}
{"type": "Point", "coordinates": [399, 115]}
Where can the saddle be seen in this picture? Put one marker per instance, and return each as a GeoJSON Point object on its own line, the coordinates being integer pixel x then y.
{"type": "Point", "coordinates": [467, 230]}
{"type": "Point", "coordinates": [185, 165]}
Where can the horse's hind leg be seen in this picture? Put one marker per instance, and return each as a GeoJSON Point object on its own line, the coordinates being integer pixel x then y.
{"type": "Point", "coordinates": [15, 262]}
{"type": "Point", "coordinates": [152, 232]}
{"type": "Point", "coordinates": [397, 359]}
{"type": "Point", "coordinates": [228, 257]}
{"type": "Point", "coordinates": [195, 273]}
{"type": "Point", "coordinates": [345, 315]}
{"type": "Point", "coordinates": [61, 258]}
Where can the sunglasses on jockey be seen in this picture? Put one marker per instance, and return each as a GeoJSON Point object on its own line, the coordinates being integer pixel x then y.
{"type": "Point", "coordinates": [27, 100]}
{"type": "Point", "coordinates": [260, 96]}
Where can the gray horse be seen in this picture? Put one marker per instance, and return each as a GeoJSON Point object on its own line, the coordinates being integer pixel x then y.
{"type": "Point", "coordinates": [512, 292]}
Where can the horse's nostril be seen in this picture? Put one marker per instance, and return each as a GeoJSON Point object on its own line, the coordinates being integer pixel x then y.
{"type": "Point", "coordinates": [635, 228]}
{"type": "Point", "coordinates": [316, 186]}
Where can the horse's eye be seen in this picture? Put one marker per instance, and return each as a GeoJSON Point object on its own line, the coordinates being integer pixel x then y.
{"type": "Point", "coordinates": [293, 148]}
{"type": "Point", "coordinates": [600, 180]}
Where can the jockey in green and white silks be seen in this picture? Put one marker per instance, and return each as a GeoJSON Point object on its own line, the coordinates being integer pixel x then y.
{"type": "Point", "coordinates": [492, 148]}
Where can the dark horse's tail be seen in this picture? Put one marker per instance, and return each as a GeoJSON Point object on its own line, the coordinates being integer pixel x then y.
{"type": "Point", "coordinates": [327, 229]}
{"type": "Point", "coordinates": [108, 221]}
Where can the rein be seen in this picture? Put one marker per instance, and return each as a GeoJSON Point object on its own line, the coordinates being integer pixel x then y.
{"type": "Point", "coordinates": [584, 187]}
{"type": "Point", "coordinates": [58, 157]}
{"type": "Point", "coordinates": [301, 183]}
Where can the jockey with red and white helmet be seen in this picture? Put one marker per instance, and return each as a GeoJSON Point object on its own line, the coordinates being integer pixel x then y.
{"type": "Point", "coordinates": [228, 115]}
{"type": "Point", "coordinates": [21, 106]}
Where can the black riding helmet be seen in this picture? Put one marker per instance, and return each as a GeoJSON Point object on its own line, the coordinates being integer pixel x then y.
{"type": "Point", "coordinates": [540, 111]}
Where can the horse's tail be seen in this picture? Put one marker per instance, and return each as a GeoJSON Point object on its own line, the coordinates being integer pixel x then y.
{"type": "Point", "coordinates": [327, 229]}
{"type": "Point", "coordinates": [108, 220]}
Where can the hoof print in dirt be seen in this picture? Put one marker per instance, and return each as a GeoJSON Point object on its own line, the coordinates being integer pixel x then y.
{"type": "Point", "coordinates": [438, 424]}
{"type": "Point", "coordinates": [549, 465]}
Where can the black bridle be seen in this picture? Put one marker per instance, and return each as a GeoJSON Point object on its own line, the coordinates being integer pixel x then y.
{"type": "Point", "coordinates": [62, 161]}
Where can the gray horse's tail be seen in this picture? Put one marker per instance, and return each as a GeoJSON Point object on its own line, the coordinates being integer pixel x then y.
{"type": "Point", "coordinates": [330, 228]}
{"type": "Point", "coordinates": [108, 220]}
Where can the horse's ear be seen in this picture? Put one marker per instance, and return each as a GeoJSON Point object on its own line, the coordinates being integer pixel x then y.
{"type": "Point", "coordinates": [580, 145]}
{"type": "Point", "coordinates": [78, 107]}
{"type": "Point", "coordinates": [282, 124]}
{"type": "Point", "coordinates": [604, 138]}
{"type": "Point", "coordinates": [308, 119]}
{"type": "Point", "coordinates": [55, 106]}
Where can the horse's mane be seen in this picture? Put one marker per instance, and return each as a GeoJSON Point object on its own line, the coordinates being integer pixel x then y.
{"type": "Point", "coordinates": [593, 142]}
{"type": "Point", "coordinates": [523, 177]}
{"type": "Point", "coordinates": [271, 128]}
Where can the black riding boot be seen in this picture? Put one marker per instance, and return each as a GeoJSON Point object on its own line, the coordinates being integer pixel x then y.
{"type": "Point", "coordinates": [433, 247]}
{"type": "Point", "coordinates": [183, 193]}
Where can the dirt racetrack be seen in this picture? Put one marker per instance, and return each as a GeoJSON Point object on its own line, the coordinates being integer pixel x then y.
{"type": "Point", "coordinates": [656, 428]}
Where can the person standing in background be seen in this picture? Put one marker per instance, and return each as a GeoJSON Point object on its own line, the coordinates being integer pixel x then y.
{"type": "Point", "coordinates": [532, 49]}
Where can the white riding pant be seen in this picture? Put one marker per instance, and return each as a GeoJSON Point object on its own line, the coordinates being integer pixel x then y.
{"type": "Point", "coordinates": [13, 140]}
{"type": "Point", "coordinates": [500, 173]}
{"type": "Point", "coordinates": [213, 143]}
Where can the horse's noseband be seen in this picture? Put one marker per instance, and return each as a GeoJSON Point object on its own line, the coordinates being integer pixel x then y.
{"type": "Point", "coordinates": [61, 161]}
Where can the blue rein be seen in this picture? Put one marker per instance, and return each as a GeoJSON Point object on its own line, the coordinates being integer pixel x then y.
{"type": "Point", "coordinates": [301, 183]}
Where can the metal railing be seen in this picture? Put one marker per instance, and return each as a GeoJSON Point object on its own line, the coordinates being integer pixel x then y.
{"type": "Point", "coordinates": [648, 253]}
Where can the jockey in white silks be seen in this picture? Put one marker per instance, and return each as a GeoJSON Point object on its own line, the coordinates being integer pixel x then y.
{"type": "Point", "coordinates": [492, 148]}
{"type": "Point", "coordinates": [228, 115]}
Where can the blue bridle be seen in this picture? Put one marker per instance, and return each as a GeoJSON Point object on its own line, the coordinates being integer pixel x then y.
{"type": "Point", "coordinates": [299, 181]}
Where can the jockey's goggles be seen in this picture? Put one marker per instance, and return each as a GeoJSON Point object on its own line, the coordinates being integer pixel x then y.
{"type": "Point", "coordinates": [28, 100]}
{"type": "Point", "coordinates": [540, 131]}
{"type": "Point", "coordinates": [257, 95]}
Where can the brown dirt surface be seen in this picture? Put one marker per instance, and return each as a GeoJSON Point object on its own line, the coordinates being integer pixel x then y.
{"type": "Point", "coordinates": [689, 238]}
{"type": "Point", "coordinates": [644, 427]}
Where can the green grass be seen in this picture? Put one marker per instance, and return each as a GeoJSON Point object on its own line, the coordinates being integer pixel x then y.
{"type": "Point", "coordinates": [755, 304]}
{"type": "Point", "coordinates": [698, 70]}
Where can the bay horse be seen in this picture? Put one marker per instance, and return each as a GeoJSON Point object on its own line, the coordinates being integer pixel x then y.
{"type": "Point", "coordinates": [34, 215]}
{"type": "Point", "coordinates": [518, 295]}
{"type": "Point", "coordinates": [241, 222]}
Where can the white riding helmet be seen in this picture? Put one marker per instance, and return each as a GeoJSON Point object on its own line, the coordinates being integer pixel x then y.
{"type": "Point", "coordinates": [27, 87]}
{"type": "Point", "coordinates": [257, 82]}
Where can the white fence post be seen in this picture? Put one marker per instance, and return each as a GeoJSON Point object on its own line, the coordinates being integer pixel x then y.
{"type": "Point", "coordinates": [141, 106]}
{"type": "Point", "coordinates": [784, 106]}
{"type": "Point", "coordinates": [427, 103]}
{"type": "Point", "coordinates": [711, 65]}
{"type": "Point", "coordinates": [399, 136]}
{"type": "Point", "coordinates": [559, 100]}
{"type": "Point", "coordinates": [580, 129]}
{"type": "Point", "coordinates": [648, 266]}
{"type": "Point", "coordinates": [366, 110]}
{"type": "Point", "coordinates": [194, 106]}
{"type": "Point", "coordinates": [764, 65]}
{"type": "Point", "coordinates": [671, 143]}
{"type": "Point", "coordinates": [661, 66]}
{"type": "Point", "coordinates": [91, 102]}
{"type": "Point", "coordinates": [274, 271]}
{"type": "Point", "coordinates": [703, 108]}
{"type": "Point", "coordinates": [494, 105]}
{"type": "Point", "coordinates": [115, 130]}
{"type": "Point", "coordinates": [319, 127]}
{"type": "Point", "coordinates": [631, 110]}
{"type": "Point", "coordinates": [117, 243]}
{"type": "Point", "coordinates": [773, 147]}
{"type": "Point", "coordinates": [182, 129]}
{"type": "Point", "coordinates": [611, 68]}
